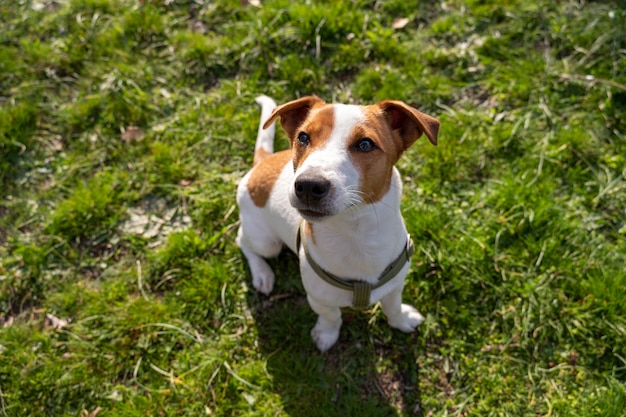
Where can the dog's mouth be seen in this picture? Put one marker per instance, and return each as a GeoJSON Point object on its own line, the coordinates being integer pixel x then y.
{"type": "Point", "coordinates": [313, 214]}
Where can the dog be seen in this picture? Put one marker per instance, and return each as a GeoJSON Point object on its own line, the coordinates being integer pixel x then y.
{"type": "Point", "coordinates": [333, 198]}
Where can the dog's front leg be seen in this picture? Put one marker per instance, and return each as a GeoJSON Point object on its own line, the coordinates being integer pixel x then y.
{"type": "Point", "coordinates": [400, 316]}
{"type": "Point", "coordinates": [326, 330]}
{"type": "Point", "coordinates": [262, 274]}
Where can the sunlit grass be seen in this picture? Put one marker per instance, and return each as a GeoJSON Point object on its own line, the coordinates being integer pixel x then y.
{"type": "Point", "coordinates": [123, 293]}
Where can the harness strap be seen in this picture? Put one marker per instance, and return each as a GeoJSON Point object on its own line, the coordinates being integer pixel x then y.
{"type": "Point", "coordinates": [362, 289]}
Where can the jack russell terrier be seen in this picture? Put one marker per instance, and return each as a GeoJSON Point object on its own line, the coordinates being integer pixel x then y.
{"type": "Point", "coordinates": [333, 199]}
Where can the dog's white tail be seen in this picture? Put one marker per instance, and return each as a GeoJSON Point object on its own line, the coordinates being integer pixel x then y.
{"type": "Point", "coordinates": [265, 138]}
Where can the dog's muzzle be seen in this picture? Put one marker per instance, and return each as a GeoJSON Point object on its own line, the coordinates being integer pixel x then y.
{"type": "Point", "coordinates": [311, 189]}
{"type": "Point", "coordinates": [311, 195]}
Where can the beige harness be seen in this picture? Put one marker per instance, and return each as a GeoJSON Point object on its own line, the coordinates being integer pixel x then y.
{"type": "Point", "coordinates": [362, 289]}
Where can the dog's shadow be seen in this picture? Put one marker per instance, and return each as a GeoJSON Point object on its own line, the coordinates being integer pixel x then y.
{"type": "Point", "coordinates": [371, 371]}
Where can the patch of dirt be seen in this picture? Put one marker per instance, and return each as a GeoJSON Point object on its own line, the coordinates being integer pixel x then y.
{"type": "Point", "coordinates": [154, 219]}
{"type": "Point", "coordinates": [391, 386]}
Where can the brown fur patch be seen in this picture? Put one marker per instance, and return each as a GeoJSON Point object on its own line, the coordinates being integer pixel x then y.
{"type": "Point", "coordinates": [409, 122]}
{"type": "Point", "coordinates": [265, 174]}
{"type": "Point", "coordinates": [375, 166]}
{"type": "Point", "coordinates": [318, 125]}
{"type": "Point", "coordinates": [260, 155]}
{"type": "Point", "coordinates": [292, 114]}
{"type": "Point", "coordinates": [308, 230]}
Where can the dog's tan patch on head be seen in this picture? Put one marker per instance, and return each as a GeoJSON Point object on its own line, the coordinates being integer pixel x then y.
{"type": "Point", "coordinates": [318, 126]}
{"type": "Point", "coordinates": [376, 166]}
{"type": "Point", "coordinates": [264, 176]}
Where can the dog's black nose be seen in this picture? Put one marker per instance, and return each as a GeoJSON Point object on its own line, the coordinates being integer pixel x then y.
{"type": "Point", "coordinates": [311, 189]}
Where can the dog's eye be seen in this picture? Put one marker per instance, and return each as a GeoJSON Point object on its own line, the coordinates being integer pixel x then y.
{"type": "Point", "coordinates": [365, 145]}
{"type": "Point", "coordinates": [303, 139]}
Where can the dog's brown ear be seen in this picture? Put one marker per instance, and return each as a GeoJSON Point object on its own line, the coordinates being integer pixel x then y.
{"type": "Point", "coordinates": [411, 123]}
{"type": "Point", "coordinates": [293, 113]}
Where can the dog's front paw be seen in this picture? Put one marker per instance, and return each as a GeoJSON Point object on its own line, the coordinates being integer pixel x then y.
{"type": "Point", "coordinates": [407, 319]}
{"type": "Point", "coordinates": [263, 278]}
{"type": "Point", "coordinates": [324, 338]}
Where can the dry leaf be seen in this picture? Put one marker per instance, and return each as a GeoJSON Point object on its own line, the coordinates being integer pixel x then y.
{"type": "Point", "coordinates": [198, 26]}
{"type": "Point", "coordinates": [55, 322]}
{"type": "Point", "coordinates": [57, 145]}
{"type": "Point", "coordinates": [399, 22]}
{"type": "Point", "coordinates": [151, 225]}
{"type": "Point", "coordinates": [95, 412]}
{"type": "Point", "coordinates": [132, 134]}
{"type": "Point", "coordinates": [255, 3]}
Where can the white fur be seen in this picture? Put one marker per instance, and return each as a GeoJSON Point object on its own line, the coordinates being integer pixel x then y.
{"type": "Point", "coordinates": [265, 137]}
{"type": "Point", "coordinates": [358, 241]}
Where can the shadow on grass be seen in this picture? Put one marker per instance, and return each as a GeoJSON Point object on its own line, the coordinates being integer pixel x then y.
{"type": "Point", "coordinates": [371, 371]}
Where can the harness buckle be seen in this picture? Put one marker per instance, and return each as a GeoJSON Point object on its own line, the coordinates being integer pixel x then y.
{"type": "Point", "coordinates": [362, 291]}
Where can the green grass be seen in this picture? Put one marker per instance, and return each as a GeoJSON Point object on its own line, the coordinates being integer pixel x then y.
{"type": "Point", "coordinates": [518, 215]}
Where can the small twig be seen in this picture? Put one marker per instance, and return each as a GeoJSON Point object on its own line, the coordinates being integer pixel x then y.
{"type": "Point", "coordinates": [237, 377]}
{"type": "Point", "coordinates": [593, 80]}
{"type": "Point", "coordinates": [543, 251]}
{"type": "Point", "coordinates": [4, 411]}
{"type": "Point", "coordinates": [318, 39]}
{"type": "Point", "coordinates": [140, 280]}
{"type": "Point", "coordinates": [542, 156]}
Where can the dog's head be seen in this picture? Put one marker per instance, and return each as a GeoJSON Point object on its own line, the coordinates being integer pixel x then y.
{"type": "Point", "coordinates": [343, 155]}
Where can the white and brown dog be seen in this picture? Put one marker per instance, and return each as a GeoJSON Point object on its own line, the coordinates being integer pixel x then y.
{"type": "Point", "coordinates": [334, 199]}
